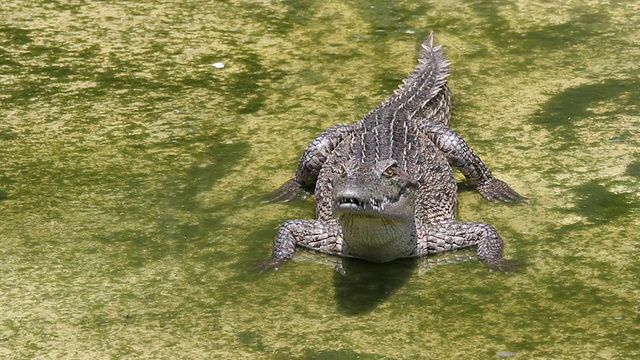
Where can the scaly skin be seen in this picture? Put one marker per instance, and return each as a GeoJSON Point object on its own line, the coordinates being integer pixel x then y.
{"type": "Point", "coordinates": [385, 187]}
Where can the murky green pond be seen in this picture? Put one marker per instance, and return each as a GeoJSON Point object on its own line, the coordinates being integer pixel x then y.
{"type": "Point", "coordinates": [137, 140]}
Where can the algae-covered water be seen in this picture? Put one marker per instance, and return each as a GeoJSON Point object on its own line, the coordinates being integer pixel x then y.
{"type": "Point", "coordinates": [138, 139]}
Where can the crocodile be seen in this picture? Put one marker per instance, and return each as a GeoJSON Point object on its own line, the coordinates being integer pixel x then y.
{"type": "Point", "coordinates": [384, 186]}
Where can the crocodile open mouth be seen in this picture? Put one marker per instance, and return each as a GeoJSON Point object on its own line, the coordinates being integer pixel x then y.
{"type": "Point", "coordinates": [349, 204]}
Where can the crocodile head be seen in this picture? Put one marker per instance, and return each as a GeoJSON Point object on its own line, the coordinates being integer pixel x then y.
{"type": "Point", "coordinates": [374, 204]}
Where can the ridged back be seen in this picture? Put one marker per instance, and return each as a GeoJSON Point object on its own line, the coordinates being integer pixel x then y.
{"type": "Point", "coordinates": [390, 130]}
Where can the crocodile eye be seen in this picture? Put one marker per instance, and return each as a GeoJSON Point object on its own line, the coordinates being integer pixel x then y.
{"type": "Point", "coordinates": [342, 170]}
{"type": "Point", "coordinates": [388, 172]}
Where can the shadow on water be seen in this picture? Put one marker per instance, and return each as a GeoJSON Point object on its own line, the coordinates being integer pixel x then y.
{"type": "Point", "coordinates": [364, 285]}
{"type": "Point", "coordinates": [599, 205]}
{"type": "Point", "coordinates": [633, 168]}
{"type": "Point", "coordinates": [561, 113]}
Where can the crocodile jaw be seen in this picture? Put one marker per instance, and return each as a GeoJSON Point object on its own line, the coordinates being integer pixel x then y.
{"type": "Point", "coordinates": [376, 238]}
{"type": "Point", "coordinates": [374, 229]}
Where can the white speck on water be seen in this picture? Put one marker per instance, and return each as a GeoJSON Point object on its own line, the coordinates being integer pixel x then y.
{"type": "Point", "coordinates": [569, 220]}
{"type": "Point", "coordinates": [618, 317]}
{"type": "Point", "coordinates": [410, 31]}
{"type": "Point", "coordinates": [218, 65]}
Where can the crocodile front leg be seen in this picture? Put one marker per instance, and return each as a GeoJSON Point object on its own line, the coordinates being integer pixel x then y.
{"type": "Point", "coordinates": [451, 235]}
{"type": "Point", "coordinates": [314, 156]}
{"type": "Point", "coordinates": [317, 235]}
{"type": "Point", "coordinates": [460, 155]}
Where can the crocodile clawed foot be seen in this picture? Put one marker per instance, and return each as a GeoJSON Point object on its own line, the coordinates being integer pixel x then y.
{"type": "Point", "coordinates": [288, 191]}
{"type": "Point", "coordinates": [503, 265]}
{"type": "Point", "coordinates": [497, 189]}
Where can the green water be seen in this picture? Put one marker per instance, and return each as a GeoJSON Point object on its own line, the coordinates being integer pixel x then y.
{"type": "Point", "coordinates": [132, 173]}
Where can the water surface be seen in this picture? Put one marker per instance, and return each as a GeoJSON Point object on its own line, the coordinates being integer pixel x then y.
{"type": "Point", "coordinates": [138, 139]}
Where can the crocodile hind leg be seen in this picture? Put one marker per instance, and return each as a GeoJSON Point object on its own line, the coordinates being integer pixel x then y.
{"type": "Point", "coordinates": [317, 235]}
{"type": "Point", "coordinates": [460, 155]}
{"type": "Point", "coordinates": [453, 234]}
{"type": "Point", "coordinates": [312, 160]}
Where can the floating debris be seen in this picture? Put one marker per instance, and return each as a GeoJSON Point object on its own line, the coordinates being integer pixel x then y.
{"type": "Point", "coordinates": [218, 65]}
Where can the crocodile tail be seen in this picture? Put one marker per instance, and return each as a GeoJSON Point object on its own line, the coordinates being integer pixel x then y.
{"type": "Point", "coordinates": [424, 92]}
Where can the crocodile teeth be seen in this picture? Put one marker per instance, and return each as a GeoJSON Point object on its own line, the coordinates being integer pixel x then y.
{"type": "Point", "coordinates": [351, 201]}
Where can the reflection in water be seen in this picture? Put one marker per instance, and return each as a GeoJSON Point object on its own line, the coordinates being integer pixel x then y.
{"type": "Point", "coordinates": [362, 285]}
